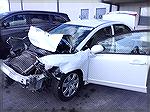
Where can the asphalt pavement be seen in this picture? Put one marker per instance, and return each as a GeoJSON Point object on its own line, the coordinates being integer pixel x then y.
{"type": "Point", "coordinates": [92, 98]}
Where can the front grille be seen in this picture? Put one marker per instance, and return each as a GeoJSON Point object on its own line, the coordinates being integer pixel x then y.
{"type": "Point", "coordinates": [23, 63]}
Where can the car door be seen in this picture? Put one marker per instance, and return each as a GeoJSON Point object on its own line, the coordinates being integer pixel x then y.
{"type": "Point", "coordinates": [122, 64]}
{"type": "Point", "coordinates": [14, 26]}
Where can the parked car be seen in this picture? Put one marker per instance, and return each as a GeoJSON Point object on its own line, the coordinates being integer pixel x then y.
{"type": "Point", "coordinates": [17, 24]}
{"type": "Point", "coordinates": [128, 17]}
{"type": "Point", "coordinates": [69, 56]}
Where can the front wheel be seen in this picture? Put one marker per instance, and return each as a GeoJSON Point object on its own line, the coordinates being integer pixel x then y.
{"type": "Point", "coordinates": [68, 86]}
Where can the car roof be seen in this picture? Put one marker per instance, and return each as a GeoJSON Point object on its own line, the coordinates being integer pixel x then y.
{"type": "Point", "coordinates": [91, 23]}
{"type": "Point", "coordinates": [5, 14]}
{"type": "Point", "coordinates": [38, 11]}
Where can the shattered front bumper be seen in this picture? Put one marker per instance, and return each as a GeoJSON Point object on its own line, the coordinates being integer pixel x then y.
{"type": "Point", "coordinates": [32, 81]}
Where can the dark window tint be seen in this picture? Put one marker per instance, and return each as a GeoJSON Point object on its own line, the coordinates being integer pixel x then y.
{"type": "Point", "coordinates": [56, 19]}
{"type": "Point", "coordinates": [39, 18]}
{"type": "Point", "coordinates": [132, 43]}
{"type": "Point", "coordinates": [120, 29]}
{"type": "Point", "coordinates": [100, 35]}
{"type": "Point", "coordinates": [16, 20]}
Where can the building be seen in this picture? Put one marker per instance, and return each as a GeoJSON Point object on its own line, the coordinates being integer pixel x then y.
{"type": "Point", "coordinates": [142, 7]}
{"type": "Point", "coordinates": [86, 9]}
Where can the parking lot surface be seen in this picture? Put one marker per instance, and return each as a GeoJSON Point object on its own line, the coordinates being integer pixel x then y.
{"type": "Point", "coordinates": [92, 98]}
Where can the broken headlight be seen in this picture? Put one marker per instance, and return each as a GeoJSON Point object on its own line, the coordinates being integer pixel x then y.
{"type": "Point", "coordinates": [55, 71]}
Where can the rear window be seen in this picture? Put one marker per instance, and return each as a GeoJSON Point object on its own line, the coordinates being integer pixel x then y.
{"type": "Point", "coordinates": [39, 18]}
{"type": "Point", "coordinates": [56, 19]}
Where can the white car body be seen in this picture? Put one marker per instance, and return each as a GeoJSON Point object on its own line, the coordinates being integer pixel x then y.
{"type": "Point", "coordinates": [99, 69]}
{"type": "Point", "coordinates": [120, 71]}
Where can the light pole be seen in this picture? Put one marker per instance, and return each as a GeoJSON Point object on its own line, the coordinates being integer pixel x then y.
{"type": "Point", "coordinates": [57, 5]}
{"type": "Point", "coordinates": [9, 5]}
{"type": "Point", "coordinates": [21, 4]}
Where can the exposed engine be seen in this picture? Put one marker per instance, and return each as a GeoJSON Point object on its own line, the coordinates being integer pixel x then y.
{"type": "Point", "coordinates": [23, 57]}
{"type": "Point", "coordinates": [24, 63]}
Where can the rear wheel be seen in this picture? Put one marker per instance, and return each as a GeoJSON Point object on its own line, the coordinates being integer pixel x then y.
{"type": "Point", "coordinates": [68, 86]}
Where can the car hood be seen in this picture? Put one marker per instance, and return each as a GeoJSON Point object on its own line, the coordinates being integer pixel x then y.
{"type": "Point", "coordinates": [44, 40]}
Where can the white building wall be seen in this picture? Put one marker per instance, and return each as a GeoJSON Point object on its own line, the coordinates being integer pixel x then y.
{"type": "Point", "coordinates": [134, 7]}
{"type": "Point", "coordinates": [15, 5]}
{"type": "Point", "coordinates": [45, 5]}
{"type": "Point", "coordinates": [137, 7]}
{"type": "Point", "coordinates": [74, 9]}
{"type": "Point", "coordinates": [4, 6]}
{"type": "Point", "coordinates": [40, 6]}
{"type": "Point", "coordinates": [130, 7]}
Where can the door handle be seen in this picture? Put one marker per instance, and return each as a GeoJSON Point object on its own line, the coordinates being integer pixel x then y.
{"type": "Point", "coordinates": [138, 62]}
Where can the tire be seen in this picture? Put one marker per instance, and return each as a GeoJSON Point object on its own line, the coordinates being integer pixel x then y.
{"type": "Point", "coordinates": [68, 86]}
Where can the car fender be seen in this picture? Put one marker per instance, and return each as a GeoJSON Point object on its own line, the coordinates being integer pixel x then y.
{"type": "Point", "coordinates": [68, 62]}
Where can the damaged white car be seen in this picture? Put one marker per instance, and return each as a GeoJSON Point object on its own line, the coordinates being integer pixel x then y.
{"type": "Point", "coordinates": [77, 53]}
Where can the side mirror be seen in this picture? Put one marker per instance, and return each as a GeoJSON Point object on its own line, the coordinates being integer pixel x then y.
{"type": "Point", "coordinates": [97, 48]}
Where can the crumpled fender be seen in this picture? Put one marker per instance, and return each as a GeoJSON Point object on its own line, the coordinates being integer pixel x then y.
{"type": "Point", "coordinates": [67, 62]}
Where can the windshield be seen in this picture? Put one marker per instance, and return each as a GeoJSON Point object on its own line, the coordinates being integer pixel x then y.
{"type": "Point", "coordinates": [78, 33]}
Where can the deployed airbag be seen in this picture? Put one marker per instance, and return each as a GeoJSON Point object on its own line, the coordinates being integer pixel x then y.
{"type": "Point", "coordinates": [44, 40]}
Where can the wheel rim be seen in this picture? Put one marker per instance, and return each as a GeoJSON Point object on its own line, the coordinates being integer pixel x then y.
{"type": "Point", "coordinates": [70, 85]}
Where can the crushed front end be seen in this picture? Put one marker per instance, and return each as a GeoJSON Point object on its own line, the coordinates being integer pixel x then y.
{"type": "Point", "coordinates": [28, 63]}
{"type": "Point", "coordinates": [25, 69]}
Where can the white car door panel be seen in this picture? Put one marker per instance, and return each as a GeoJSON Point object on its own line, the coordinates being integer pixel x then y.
{"type": "Point", "coordinates": [121, 71]}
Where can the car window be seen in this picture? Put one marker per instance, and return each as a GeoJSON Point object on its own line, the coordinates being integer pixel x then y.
{"type": "Point", "coordinates": [132, 43]}
{"type": "Point", "coordinates": [77, 33]}
{"type": "Point", "coordinates": [120, 29]}
{"type": "Point", "coordinates": [39, 18]}
{"type": "Point", "coordinates": [100, 35]}
{"type": "Point", "coordinates": [16, 20]}
{"type": "Point", "coordinates": [56, 19]}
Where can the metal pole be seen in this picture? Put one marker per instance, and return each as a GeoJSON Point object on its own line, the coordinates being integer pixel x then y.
{"type": "Point", "coordinates": [57, 5]}
{"type": "Point", "coordinates": [21, 4]}
{"type": "Point", "coordinates": [9, 5]}
{"type": "Point", "coordinates": [118, 7]}
{"type": "Point", "coordinates": [110, 8]}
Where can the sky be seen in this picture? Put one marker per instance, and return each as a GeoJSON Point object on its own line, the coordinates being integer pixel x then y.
{"type": "Point", "coordinates": [4, 7]}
